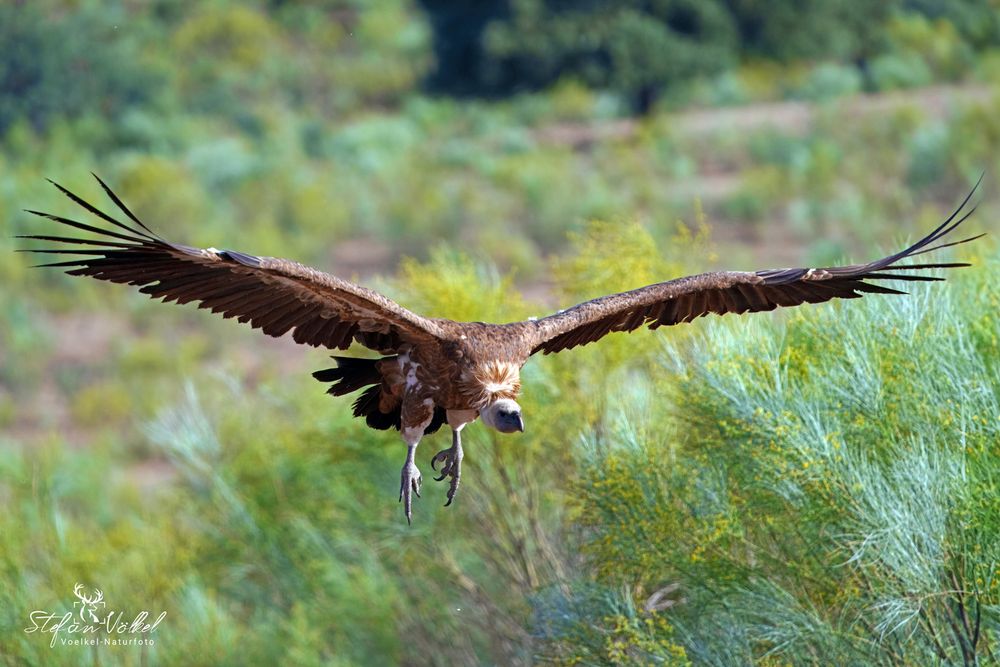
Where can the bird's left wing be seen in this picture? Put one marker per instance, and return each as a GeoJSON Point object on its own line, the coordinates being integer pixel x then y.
{"type": "Point", "coordinates": [272, 294]}
{"type": "Point", "coordinates": [685, 299]}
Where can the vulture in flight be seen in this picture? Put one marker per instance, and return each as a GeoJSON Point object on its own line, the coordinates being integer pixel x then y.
{"type": "Point", "coordinates": [435, 371]}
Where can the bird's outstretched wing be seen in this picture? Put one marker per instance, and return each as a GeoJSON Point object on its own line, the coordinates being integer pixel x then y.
{"type": "Point", "coordinates": [274, 295]}
{"type": "Point", "coordinates": [685, 299]}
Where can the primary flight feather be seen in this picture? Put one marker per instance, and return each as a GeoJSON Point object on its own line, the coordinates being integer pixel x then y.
{"type": "Point", "coordinates": [438, 371]}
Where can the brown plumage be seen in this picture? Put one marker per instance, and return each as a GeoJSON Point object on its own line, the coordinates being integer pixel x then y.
{"type": "Point", "coordinates": [436, 370]}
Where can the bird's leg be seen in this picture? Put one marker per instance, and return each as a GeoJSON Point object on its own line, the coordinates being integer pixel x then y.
{"type": "Point", "coordinates": [409, 480]}
{"type": "Point", "coordinates": [452, 459]}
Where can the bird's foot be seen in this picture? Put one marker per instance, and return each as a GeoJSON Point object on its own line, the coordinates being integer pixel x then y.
{"type": "Point", "coordinates": [409, 484]}
{"type": "Point", "coordinates": [452, 460]}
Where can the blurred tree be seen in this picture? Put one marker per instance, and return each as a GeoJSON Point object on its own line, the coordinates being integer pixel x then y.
{"type": "Point", "coordinates": [68, 65]}
{"type": "Point", "coordinates": [810, 29]}
{"type": "Point", "coordinates": [328, 57]}
{"type": "Point", "coordinates": [458, 43]}
{"type": "Point", "coordinates": [226, 51]}
{"type": "Point", "coordinates": [635, 49]}
{"type": "Point", "coordinates": [976, 20]}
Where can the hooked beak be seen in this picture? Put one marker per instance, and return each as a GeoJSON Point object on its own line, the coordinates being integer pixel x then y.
{"type": "Point", "coordinates": [520, 423]}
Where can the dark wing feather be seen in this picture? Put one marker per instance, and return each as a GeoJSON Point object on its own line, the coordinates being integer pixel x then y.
{"type": "Point", "coordinates": [274, 295]}
{"type": "Point", "coordinates": [684, 299]}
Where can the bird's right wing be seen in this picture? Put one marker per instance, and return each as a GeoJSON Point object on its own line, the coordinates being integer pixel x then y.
{"type": "Point", "coordinates": [272, 294]}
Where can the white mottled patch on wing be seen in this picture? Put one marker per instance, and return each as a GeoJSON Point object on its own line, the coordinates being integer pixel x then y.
{"type": "Point", "coordinates": [408, 369]}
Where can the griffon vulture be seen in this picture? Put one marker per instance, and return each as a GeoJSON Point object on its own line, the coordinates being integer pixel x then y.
{"type": "Point", "coordinates": [436, 370]}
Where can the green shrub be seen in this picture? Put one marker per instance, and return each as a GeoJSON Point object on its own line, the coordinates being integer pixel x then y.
{"type": "Point", "coordinates": [929, 151]}
{"type": "Point", "coordinates": [759, 194]}
{"type": "Point", "coordinates": [164, 193]}
{"type": "Point", "coordinates": [102, 404]}
{"type": "Point", "coordinates": [825, 491]}
{"type": "Point", "coordinates": [242, 37]}
{"type": "Point", "coordinates": [891, 71]}
{"type": "Point", "coordinates": [67, 64]}
{"type": "Point", "coordinates": [941, 47]}
{"type": "Point", "coordinates": [829, 81]}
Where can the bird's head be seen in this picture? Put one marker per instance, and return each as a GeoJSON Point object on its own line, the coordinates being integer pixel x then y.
{"type": "Point", "coordinates": [504, 415]}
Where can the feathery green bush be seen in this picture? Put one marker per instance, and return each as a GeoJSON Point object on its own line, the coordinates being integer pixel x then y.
{"type": "Point", "coordinates": [822, 489]}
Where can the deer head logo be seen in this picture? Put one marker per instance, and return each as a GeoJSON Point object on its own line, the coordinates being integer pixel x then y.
{"type": "Point", "coordinates": [88, 604]}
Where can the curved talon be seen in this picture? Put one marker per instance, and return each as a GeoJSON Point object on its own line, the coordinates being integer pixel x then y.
{"type": "Point", "coordinates": [409, 484]}
{"type": "Point", "coordinates": [452, 467]}
{"type": "Point", "coordinates": [443, 455]}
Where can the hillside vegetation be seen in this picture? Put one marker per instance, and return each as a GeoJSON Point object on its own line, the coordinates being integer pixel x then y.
{"type": "Point", "coordinates": [807, 487]}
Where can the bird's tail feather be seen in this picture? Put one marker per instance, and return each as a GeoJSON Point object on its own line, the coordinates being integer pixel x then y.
{"type": "Point", "coordinates": [353, 374]}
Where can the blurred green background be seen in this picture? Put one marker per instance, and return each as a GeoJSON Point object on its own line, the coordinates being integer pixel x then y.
{"type": "Point", "coordinates": [813, 487]}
